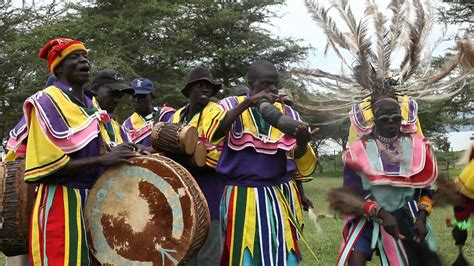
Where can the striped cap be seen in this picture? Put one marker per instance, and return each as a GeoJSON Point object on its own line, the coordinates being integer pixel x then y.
{"type": "Point", "coordinates": [56, 50]}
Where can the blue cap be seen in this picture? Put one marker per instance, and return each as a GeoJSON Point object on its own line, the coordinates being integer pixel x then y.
{"type": "Point", "coordinates": [142, 86]}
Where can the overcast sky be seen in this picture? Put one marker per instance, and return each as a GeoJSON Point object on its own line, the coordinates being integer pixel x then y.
{"type": "Point", "coordinates": [296, 22]}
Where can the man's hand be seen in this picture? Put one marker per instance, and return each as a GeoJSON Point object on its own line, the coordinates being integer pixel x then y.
{"type": "Point", "coordinates": [420, 227]}
{"type": "Point", "coordinates": [420, 231]}
{"type": "Point", "coordinates": [390, 224]}
{"type": "Point", "coordinates": [143, 150]}
{"type": "Point", "coordinates": [270, 97]}
{"type": "Point", "coordinates": [306, 203]}
{"type": "Point", "coordinates": [120, 154]}
{"type": "Point", "coordinates": [303, 134]}
{"type": "Point", "coordinates": [303, 137]}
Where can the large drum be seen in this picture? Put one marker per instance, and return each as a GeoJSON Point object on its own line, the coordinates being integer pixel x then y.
{"type": "Point", "coordinates": [174, 138]}
{"type": "Point", "coordinates": [16, 203]}
{"type": "Point", "coordinates": [151, 212]}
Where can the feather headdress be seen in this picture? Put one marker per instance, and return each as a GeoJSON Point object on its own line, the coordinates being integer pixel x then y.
{"type": "Point", "coordinates": [374, 72]}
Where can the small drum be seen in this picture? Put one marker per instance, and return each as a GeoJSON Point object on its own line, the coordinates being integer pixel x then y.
{"type": "Point", "coordinates": [16, 204]}
{"type": "Point", "coordinates": [174, 138]}
{"type": "Point", "coordinates": [197, 159]}
{"type": "Point", "coordinates": [151, 212]}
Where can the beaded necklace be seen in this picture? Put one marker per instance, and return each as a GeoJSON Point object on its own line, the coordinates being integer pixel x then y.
{"type": "Point", "coordinates": [390, 147]}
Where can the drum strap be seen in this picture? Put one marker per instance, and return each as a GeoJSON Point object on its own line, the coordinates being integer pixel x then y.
{"type": "Point", "coordinates": [156, 114]}
{"type": "Point", "coordinates": [184, 117]}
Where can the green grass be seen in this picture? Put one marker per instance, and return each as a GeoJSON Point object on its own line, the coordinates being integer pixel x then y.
{"type": "Point", "coordinates": [327, 243]}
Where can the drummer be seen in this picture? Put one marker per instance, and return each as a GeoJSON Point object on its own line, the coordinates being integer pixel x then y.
{"type": "Point", "coordinates": [255, 212]}
{"type": "Point", "coordinates": [108, 86]}
{"type": "Point", "coordinates": [139, 125]}
{"type": "Point", "coordinates": [61, 147]}
{"type": "Point", "coordinates": [199, 88]}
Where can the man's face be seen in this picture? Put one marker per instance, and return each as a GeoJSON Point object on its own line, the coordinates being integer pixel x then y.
{"type": "Point", "coordinates": [388, 120]}
{"type": "Point", "coordinates": [142, 103]}
{"type": "Point", "coordinates": [74, 68]}
{"type": "Point", "coordinates": [108, 98]}
{"type": "Point", "coordinates": [200, 92]}
{"type": "Point", "coordinates": [265, 80]}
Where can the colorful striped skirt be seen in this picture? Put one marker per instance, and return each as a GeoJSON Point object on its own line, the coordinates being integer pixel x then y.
{"type": "Point", "coordinates": [259, 225]}
{"type": "Point", "coordinates": [57, 231]}
{"type": "Point", "coordinates": [365, 236]}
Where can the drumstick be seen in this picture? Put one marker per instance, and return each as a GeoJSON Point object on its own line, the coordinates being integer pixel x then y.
{"type": "Point", "coordinates": [316, 216]}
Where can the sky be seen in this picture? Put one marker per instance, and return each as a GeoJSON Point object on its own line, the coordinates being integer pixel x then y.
{"type": "Point", "coordinates": [296, 22]}
{"type": "Point", "coordinates": [293, 20]}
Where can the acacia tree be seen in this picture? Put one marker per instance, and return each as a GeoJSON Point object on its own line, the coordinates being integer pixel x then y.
{"type": "Point", "coordinates": [163, 40]}
{"type": "Point", "coordinates": [19, 74]}
{"type": "Point", "coordinates": [459, 12]}
{"type": "Point", "coordinates": [159, 40]}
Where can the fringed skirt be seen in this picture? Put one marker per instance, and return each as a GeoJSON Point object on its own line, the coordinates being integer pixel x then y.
{"type": "Point", "coordinates": [57, 231]}
{"type": "Point", "coordinates": [260, 225]}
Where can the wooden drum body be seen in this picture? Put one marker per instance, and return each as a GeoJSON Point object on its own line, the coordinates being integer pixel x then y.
{"type": "Point", "coordinates": [149, 213]}
{"type": "Point", "coordinates": [197, 159]}
{"type": "Point", "coordinates": [16, 203]}
{"type": "Point", "coordinates": [174, 138]}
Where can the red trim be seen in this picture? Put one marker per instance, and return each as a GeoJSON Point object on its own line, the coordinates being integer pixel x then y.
{"type": "Point", "coordinates": [56, 50]}
{"type": "Point", "coordinates": [295, 240]}
{"type": "Point", "coordinates": [422, 179]}
{"type": "Point", "coordinates": [368, 207]}
{"type": "Point", "coordinates": [225, 257]}
{"type": "Point", "coordinates": [349, 237]}
{"type": "Point", "coordinates": [419, 180]}
{"type": "Point", "coordinates": [55, 229]}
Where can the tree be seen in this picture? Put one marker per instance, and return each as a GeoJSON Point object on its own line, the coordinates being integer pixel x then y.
{"type": "Point", "coordinates": [459, 12]}
{"type": "Point", "coordinates": [163, 40]}
{"type": "Point", "coordinates": [159, 40]}
{"type": "Point", "coordinates": [441, 142]}
{"type": "Point", "coordinates": [19, 72]}
{"type": "Point", "coordinates": [447, 114]}
{"type": "Point", "coordinates": [332, 124]}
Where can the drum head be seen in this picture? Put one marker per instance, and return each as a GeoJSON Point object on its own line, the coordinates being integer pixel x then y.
{"type": "Point", "coordinates": [189, 137]}
{"type": "Point", "coordinates": [141, 214]}
{"type": "Point", "coordinates": [200, 154]}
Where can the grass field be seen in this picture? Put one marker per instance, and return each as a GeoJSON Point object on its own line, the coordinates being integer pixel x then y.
{"type": "Point", "coordinates": [326, 244]}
